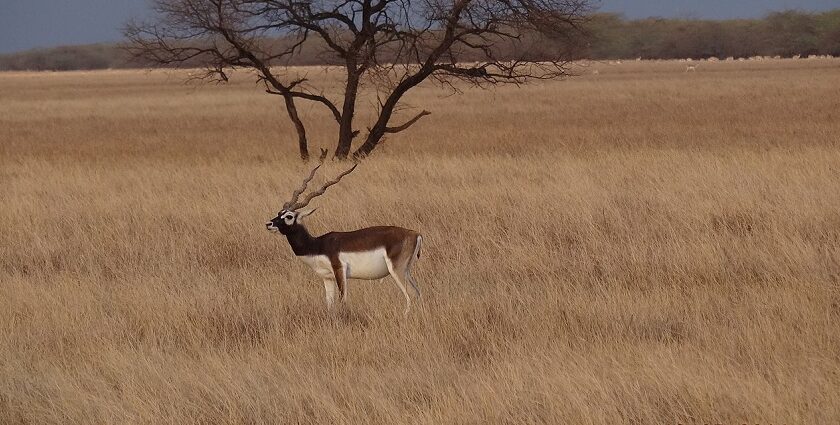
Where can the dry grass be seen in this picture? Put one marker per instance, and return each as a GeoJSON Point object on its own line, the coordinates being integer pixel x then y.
{"type": "Point", "coordinates": [640, 246]}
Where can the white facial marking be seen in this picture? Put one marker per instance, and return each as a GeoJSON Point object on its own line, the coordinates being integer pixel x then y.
{"type": "Point", "coordinates": [288, 217]}
{"type": "Point", "coordinates": [365, 264]}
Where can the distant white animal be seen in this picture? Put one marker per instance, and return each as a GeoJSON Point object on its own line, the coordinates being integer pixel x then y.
{"type": "Point", "coordinates": [691, 68]}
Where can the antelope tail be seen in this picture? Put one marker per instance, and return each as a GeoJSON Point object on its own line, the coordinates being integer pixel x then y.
{"type": "Point", "coordinates": [417, 247]}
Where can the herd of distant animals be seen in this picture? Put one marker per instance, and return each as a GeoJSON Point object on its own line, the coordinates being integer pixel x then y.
{"type": "Point", "coordinates": [370, 253]}
{"type": "Point", "coordinates": [692, 67]}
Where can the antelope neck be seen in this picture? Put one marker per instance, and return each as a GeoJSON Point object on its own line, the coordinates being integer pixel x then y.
{"type": "Point", "coordinates": [302, 242]}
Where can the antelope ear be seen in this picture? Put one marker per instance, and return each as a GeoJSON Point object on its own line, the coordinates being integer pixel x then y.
{"type": "Point", "coordinates": [303, 214]}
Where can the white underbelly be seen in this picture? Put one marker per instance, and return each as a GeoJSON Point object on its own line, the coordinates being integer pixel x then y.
{"type": "Point", "coordinates": [365, 264]}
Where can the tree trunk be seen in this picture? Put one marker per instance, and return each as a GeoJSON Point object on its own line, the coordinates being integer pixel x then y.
{"type": "Point", "coordinates": [345, 129]}
{"type": "Point", "coordinates": [301, 130]}
{"type": "Point", "coordinates": [372, 140]}
{"type": "Point", "coordinates": [381, 126]}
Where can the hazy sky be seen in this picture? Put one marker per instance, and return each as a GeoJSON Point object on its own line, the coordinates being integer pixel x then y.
{"type": "Point", "coordinates": [25, 24]}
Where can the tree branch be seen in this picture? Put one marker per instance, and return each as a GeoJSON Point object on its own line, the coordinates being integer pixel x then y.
{"type": "Point", "coordinates": [313, 97]}
{"type": "Point", "coordinates": [408, 123]}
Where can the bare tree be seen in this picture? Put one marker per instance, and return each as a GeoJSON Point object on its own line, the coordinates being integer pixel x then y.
{"type": "Point", "coordinates": [392, 44]}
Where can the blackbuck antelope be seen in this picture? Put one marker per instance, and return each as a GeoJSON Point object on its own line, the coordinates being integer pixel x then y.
{"type": "Point", "coordinates": [370, 253]}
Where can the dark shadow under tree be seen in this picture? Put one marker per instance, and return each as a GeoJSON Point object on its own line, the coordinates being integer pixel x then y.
{"type": "Point", "coordinates": [393, 45]}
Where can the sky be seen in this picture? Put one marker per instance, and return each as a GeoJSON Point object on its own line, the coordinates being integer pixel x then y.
{"type": "Point", "coordinates": [27, 24]}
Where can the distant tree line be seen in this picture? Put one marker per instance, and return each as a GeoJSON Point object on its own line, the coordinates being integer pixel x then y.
{"type": "Point", "coordinates": [611, 36]}
{"type": "Point", "coordinates": [784, 34]}
{"type": "Point", "coordinates": [65, 58]}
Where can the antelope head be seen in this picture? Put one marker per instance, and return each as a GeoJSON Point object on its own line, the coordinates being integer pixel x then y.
{"type": "Point", "coordinates": [292, 214]}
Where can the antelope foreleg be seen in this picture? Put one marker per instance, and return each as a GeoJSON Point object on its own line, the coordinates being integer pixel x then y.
{"type": "Point", "coordinates": [329, 290]}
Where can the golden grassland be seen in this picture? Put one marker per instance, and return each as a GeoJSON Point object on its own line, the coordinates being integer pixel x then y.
{"type": "Point", "coordinates": [644, 245]}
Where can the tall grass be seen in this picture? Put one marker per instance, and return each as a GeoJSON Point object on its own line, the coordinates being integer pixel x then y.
{"type": "Point", "coordinates": [640, 246]}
